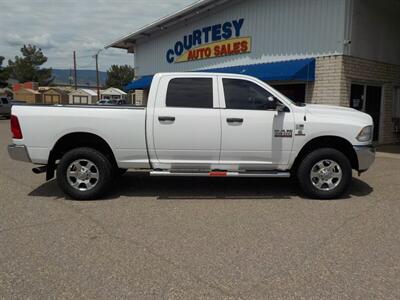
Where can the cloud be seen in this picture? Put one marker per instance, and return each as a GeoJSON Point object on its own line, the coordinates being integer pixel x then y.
{"type": "Point", "coordinates": [62, 26]}
{"type": "Point", "coordinates": [43, 41]}
{"type": "Point", "coordinates": [92, 45]}
{"type": "Point", "coordinates": [14, 39]}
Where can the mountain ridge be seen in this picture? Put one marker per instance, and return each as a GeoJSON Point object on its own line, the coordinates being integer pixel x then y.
{"type": "Point", "coordinates": [85, 77]}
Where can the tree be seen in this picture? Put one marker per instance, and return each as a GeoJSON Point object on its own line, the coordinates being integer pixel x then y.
{"type": "Point", "coordinates": [119, 76]}
{"type": "Point", "coordinates": [4, 74]}
{"type": "Point", "coordinates": [27, 67]}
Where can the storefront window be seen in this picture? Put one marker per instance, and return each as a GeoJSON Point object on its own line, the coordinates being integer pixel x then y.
{"type": "Point", "coordinates": [295, 92]}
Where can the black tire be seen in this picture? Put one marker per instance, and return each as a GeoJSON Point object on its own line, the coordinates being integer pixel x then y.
{"type": "Point", "coordinates": [304, 173]}
{"type": "Point", "coordinates": [103, 169]}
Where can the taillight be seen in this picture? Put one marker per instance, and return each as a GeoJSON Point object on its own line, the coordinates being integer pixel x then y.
{"type": "Point", "coordinates": [15, 128]}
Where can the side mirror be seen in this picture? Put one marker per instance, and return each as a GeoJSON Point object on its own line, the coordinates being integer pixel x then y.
{"type": "Point", "coordinates": [280, 107]}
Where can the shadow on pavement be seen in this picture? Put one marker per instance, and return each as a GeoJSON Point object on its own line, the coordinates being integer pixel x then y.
{"type": "Point", "coordinates": [199, 188]}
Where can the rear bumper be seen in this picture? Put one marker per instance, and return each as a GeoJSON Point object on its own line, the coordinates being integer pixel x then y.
{"type": "Point", "coordinates": [365, 156]}
{"type": "Point", "coordinates": [18, 152]}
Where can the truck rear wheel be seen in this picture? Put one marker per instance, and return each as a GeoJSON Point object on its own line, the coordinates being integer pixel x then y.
{"type": "Point", "coordinates": [324, 174]}
{"type": "Point", "coordinates": [84, 173]}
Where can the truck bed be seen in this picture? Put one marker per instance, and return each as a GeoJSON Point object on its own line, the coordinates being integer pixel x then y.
{"type": "Point", "coordinates": [123, 127]}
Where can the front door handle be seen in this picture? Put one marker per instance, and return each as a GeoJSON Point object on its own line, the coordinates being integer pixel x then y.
{"type": "Point", "coordinates": [234, 120]}
{"type": "Point", "coordinates": [165, 119]}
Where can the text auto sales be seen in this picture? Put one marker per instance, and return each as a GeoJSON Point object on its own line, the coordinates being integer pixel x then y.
{"type": "Point", "coordinates": [190, 49]}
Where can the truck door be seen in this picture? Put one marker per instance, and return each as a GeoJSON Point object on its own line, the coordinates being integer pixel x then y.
{"type": "Point", "coordinates": [255, 136]}
{"type": "Point", "coordinates": [186, 123]}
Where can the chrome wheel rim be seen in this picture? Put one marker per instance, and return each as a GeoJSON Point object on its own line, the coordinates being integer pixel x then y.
{"type": "Point", "coordinates": [82, 175]}
{"type": "Point", "coordinates": [326, 175]}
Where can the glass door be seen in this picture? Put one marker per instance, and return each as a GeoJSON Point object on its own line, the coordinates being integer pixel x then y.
{"type": "Point", "coordinates": [373, 106]}
{"type": "Point", "coordinates": [367, 98]}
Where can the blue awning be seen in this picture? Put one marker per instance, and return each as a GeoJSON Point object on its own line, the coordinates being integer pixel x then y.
{"type": "Point", "coordinates": [300, 69]}
{"type": "Point", "coordinates": [294, 70]}
{"type": "Point", "coordinates": [139, 84]}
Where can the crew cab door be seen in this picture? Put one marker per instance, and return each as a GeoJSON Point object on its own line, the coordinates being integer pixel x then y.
{"type": "Point", "coordinates": [186, 123]}
{"type": "Point", "coordinates": [255, 136]}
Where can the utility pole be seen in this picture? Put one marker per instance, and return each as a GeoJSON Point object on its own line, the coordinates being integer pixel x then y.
{"type": "Point", "coordinates": [75, 77]}
{"type": "Point", "coordinates": [97, 76]}
{"type": "Point", "coordinates": [70, 78]}
{"type": "Point", "coordinates": [96, 56]}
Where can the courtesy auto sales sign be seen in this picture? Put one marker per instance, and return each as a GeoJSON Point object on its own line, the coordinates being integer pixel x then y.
{"type": "Point", "coordinates": [209, 42]}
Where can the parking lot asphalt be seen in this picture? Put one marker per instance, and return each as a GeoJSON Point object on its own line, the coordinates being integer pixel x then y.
{"type": "Point", "coordinates": [198, 238]}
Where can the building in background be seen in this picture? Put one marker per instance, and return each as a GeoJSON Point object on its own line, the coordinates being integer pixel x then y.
{"type": "Point", "coordinates": [113, 94]}
{"type": "Point", "coordinates": [27, 95]}
{"type": "Point", "coordinates": [342, 52]}
{"type": "Point", "coordinates": [83, 96]}
{"type": "Point", "coordinates": [28, 92]}
{"type": "Point", "coordinates": [28, 85]}
{"type": "Point", "coordinates": [55, 96]}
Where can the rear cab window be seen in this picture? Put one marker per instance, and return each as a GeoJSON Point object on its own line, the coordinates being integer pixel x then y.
{"type": "Point", "coordinates": [190, 93]}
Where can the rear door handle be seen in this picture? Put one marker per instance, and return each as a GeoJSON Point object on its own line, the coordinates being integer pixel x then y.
{"type": "Point", "coordinates": [234, 120]}
{"type": "Point", "coordinates": [165, 119]}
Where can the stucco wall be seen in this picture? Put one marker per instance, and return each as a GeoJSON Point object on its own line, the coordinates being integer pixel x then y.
{"type": "Point", "coordinates": [375, 31]}
{"type": "Point", "coordinates": [279, 30]}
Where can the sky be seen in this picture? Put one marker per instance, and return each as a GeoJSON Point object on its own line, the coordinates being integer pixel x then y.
{"type": "Point", "coordinates": [59, 27]}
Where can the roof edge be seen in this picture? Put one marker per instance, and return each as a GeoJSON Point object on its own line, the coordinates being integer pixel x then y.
{"type": "Point", "coordinates": [179, 15]}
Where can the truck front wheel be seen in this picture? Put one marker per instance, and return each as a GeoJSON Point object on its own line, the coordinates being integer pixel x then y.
{"type": "Point", "coordinates": [84, 173]}
{"type": "Point", "coordinates": [324, 174]}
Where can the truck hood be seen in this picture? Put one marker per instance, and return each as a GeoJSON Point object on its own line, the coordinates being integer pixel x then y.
{"type": "Point", "coordinates": [339, 113]}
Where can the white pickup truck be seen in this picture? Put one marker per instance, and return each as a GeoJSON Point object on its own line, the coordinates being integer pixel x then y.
{"type": "Point", "coordinates": [196, 124]}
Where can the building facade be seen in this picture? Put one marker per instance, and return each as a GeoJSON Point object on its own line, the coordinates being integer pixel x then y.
{"type": "Point", "coordinates": [342, 52]}
{"type": "Point", "coordinates": [83, 96]}
{"type": "Point", "coordinates": [27, 95]}
{"type": "Point", "coordinates": [55, 96]}
{"type": "Point", "coordinates": [113, 94]}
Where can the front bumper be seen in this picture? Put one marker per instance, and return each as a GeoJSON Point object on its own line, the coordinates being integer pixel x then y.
{"type": "Point", "coordinates": [18, 152]}
{"type": "Point", "coordinates": [365, 156]}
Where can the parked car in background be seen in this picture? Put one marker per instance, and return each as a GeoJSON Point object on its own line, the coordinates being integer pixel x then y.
{"type": "Point", "coordinates": [111, 102]}
{"type": "Point", "coordinates": [5, 107]}
{"type": "Point", "coordinates": [6, 104]}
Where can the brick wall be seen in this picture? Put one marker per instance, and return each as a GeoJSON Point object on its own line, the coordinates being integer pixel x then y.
{"type": "Point", "coordinates": [372, 72]}
{"type": "Point", "coordinates": [27, 85]}
{"type": "Point", "coordinates": [335, 74]}
{"type": "Point", "coordinates": [138, 97]}
{"type": "Point", "coordinates": [329, 87]}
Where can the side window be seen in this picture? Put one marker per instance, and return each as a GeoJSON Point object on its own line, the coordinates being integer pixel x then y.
{"type": "Point", "coordinates": [190, 92]}
{"type": "Point", "coordinates": [243, 94]}
{"type": "Point", "coordinates": [4, 100]}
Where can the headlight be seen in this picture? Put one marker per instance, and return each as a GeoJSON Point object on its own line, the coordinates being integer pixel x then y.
{"type": "Point", "coordinates": [365, 134]}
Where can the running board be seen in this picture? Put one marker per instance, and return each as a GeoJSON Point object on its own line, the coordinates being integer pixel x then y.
{"type": "Point", "coordinates": [222, 174]}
